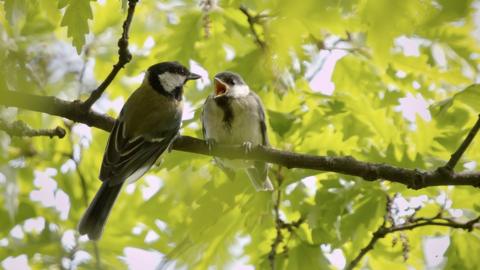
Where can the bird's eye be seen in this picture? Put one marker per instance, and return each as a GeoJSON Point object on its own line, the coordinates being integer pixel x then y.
{"type": "Point", "coordinates": [230, 81]}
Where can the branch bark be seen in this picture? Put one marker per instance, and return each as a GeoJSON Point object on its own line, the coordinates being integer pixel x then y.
{"type": "Point", "coordinates": [21, 129]}
{"type": "Point", "coordinates": [384, 230]}
{"type": "Point", "coordinates": [413, 178]}
{"type": "Point", "coordinates": [124, 57]}
{"type": "Point", "coordinates": [277, 221]}
{"type": "Point", "coordinates": [55, 106]}
{"type": "Point", "coordinates": [252, 20]}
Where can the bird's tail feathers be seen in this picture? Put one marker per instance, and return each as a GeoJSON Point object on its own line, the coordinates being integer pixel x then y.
{"type": "Point", "coordinates": [94, 219]}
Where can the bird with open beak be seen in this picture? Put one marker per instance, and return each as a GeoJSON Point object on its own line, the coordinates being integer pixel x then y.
{"type": "Point", "coordinates": [234, 114]}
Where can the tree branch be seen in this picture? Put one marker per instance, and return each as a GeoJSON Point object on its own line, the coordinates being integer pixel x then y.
{"type": "Point", "coordinates": [252, 20]}
{"type": "Point", "coordinates": [383, 230]}
{"type": "Point", "coordinates": [278, 221]}
{"type": "Point", "coordinates": [468, 140]}
{"type": "Point", "coordinates": [413, 178]}
{"type": "Point", "coordinates": [124, 57]}
{"type": "Point", "coordinates": [55, 106]}
{"type": "Point", "coordinates": [21, 129]}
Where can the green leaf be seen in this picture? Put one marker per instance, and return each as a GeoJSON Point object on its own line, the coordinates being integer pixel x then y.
{"type": "Point", "coordinates": [5, 224]}
{"type": "Point", "coordinates": [307, 257]}
{"type": "Point", "coordinates": [469, 96]}
{"type": "Point", "coordinates": [76, 18]}
{"type": "Point", "coordinates": [182, 39]}
{"type": "Point", "coordinates": [281, 122]}
{"type": "Point", "coordinates": [15, 10]}
{"type": "Point", "coordinates": [460, 252]}
{"type": "Point", "coordinates": [25, 210]}
{"type": "Point", "coordinates": [62, 3]}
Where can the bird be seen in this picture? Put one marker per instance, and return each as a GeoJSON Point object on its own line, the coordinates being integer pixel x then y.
{"type": "Point", "coordinates": [147, 125]}
{"type": "Point", "coordinates": [234, 115]}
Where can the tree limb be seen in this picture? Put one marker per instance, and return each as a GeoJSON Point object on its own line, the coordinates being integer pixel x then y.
{"type": "Point", "coordinates": [413, 178]}
{"type": "Point", "coordinates": [124, 57]}
{"type": "Point", "coordinates": [55, 106]}
{"type": "Point", "coordinates": [252, 20]}
{"type": "Point", "coordinates": [21, 129]}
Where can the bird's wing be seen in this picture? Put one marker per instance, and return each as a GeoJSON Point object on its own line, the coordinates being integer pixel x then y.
{"type": "Point", "coordinates": [261, 116]}
{"type": "Point", "coordinates": [127, 159]}
{"type": "Point", "coordinates": [258, 174]}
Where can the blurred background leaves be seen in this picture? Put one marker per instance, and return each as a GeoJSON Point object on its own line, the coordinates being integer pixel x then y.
{"type": "Point", "coordinates": [393, 82]}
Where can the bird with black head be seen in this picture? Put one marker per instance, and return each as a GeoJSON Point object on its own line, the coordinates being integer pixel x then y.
{"type": "Point", "coordinates": [147, 125]}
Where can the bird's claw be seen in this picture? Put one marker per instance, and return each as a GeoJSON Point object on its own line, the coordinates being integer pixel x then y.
{"type": "Point", "coordinates": [247, 147]}
{"type": "Point", "coordinates": [210, 144]}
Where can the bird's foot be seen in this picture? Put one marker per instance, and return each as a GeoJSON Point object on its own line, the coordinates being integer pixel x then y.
{"type": "Point", "coordinates": [247, 147]}
{"type": "Point", "coordinates": [210, 144]}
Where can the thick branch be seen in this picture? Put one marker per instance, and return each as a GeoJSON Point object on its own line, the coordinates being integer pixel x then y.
{"type": "Point", "coordinates": [413, 178]}
{"type": "Point", "coordinates": [124, 57]}
{"type": "Point", "coordinates": [55, 106]}
{"type": "Point", "coordinates": [21, 129]}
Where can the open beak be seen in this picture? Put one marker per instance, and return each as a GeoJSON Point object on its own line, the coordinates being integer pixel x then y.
{"type": "Point", "coordinates": [193, 76]}
{"type": "Point", "coordinates": [220, 87]}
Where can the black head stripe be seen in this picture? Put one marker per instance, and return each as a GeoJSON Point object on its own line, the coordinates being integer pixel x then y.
{"type": "Point", "coordinates": [173, 67]}
{"type": "Point", "coordinates": [230, 78]}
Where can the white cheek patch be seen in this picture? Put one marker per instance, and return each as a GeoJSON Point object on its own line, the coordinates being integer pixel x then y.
{"type": "Point", "coordinates": [239, 90]}
{"type": "Point", "coordinates": [170, 81]}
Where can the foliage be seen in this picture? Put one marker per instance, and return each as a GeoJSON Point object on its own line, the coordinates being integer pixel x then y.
{"type": "Point", "coordinates": [391, 55]}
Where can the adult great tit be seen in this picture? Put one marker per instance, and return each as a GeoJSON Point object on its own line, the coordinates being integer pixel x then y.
{"type": "Point", "coordinates": [148, 123]}
{"type": "Point", "coordinates": [235, 115]}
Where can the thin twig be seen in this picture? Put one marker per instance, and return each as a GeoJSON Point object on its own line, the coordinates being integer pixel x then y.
{"type": "Point", "coordinates": [384, 230]}
{"type": "Point", "coordinates": [278, 221]}
{"type": "Point", "coordinates": [124, 57]}
{"type": "Point", "coordinates": [21, 129]}
{"type": "Point", "coordinates": [413, 178]}
{"type": "Point", "coordinates": [278, 227]}
{"type": "Point", "coordinates": [379, 233]}
{"type": "Point", "coordinates": [252, 20]}
{"type": "Point", "coordinates": [468, 140]}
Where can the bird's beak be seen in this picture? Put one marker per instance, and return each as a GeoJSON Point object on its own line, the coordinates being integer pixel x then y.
{"type": "Point", "coordinates": [193, 76]}
{"type": "Point", "coordinates": [220, 87]}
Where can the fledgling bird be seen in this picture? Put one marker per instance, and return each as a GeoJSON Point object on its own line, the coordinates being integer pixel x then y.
{"type": "Point", "coordinates": [234, 115]}
{"type": "Point", "coordinates": [147, 125]}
